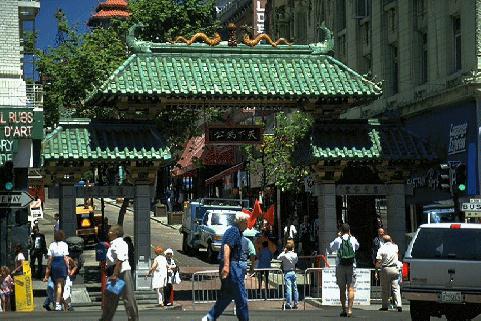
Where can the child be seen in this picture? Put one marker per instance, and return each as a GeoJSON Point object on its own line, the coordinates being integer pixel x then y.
{"type": "Point", "coordinates": [289, 259]}
{"type": "Point", "coordinates": [265, 258]}
{"type": "Point", "coordinates": [6, 287]}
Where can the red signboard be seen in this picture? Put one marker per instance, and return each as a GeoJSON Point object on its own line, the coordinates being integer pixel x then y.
{"type": "Point", "coordinates": [259, 16]}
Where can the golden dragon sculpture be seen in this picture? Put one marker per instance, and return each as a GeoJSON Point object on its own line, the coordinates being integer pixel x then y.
{"type": "Point", "coordinates": [253, 42]}
{"type": "Point", "coordinates": [199, 37]}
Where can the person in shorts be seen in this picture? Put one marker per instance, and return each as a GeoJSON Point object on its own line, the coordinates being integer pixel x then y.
{"type": "Point", "coordinates": [345, 272]}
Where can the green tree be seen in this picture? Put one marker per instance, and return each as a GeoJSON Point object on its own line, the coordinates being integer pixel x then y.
{"type": "Point", "coordinates": [273, 159]}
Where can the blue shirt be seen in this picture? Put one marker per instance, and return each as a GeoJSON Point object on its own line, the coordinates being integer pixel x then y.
{"type": "Point", "coordinates": [265, 258]}
{"type": "Point", "coordinates": [233, 238]}
{"type": "Point", "coordinates": [248, 249]}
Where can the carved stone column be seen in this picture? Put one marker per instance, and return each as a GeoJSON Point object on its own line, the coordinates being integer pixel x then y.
{"type": "Point", "coordinates": [68, 219]}
{"type": "Point", "coordinates": [396, 215]}
{"type": "Point", "coordinates": [326, 204]}
{"type": "Point", "coordinates": [142, 223]}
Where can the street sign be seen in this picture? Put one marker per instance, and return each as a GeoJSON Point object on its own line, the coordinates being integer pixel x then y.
{"type": "Point", "coordinates": [472, 214]}
{"type": "Point", "coordinates": [471, 207]}
{"type": "Point", "coordinates": [14, 199]}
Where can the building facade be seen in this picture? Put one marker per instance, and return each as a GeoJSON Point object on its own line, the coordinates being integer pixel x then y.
{"type": "Point", "coordinates": [21, 119]}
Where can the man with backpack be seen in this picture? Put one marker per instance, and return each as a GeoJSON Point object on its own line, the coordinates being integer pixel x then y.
{"type": "Point", "coordinates": [346, 246]}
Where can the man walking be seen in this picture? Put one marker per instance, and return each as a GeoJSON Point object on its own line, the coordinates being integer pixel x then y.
{"type": "Point", "coordinates": [231, 272]}
{"type": "Point", "coordinates": [376, 244]}
{"type": "Point", "coordinates": [37, 251]}
{"type": "Point", "coordinates": [346, 246]}
{"type": "Point", "coordinates": [387, 261]}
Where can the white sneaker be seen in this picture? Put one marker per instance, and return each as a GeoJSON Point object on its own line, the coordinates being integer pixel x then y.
{"type": "Point", "coordinates": [206, 318]}
{"type": "Point", "coordinates": [58, 307]}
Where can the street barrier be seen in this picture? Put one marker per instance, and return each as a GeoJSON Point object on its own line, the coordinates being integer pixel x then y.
{"type": "Point", "coordinates": [24, 289]}
{"type": "Point", "coordinates": [206, 286]}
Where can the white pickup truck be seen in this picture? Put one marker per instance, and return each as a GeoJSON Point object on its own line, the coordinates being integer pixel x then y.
{"type": "Point", "coordinates": [442, 272]}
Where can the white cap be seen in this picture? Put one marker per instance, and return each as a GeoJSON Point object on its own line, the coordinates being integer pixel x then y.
{"type": "Point", "coordinates": [169, 251]}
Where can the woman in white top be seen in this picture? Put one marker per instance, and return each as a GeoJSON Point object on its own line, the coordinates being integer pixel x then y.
{"type": "Point", "coordinates": [19, 258]}
{"type": "Point", "coordinates": [172, 270]}
{"type": "Point", "coordinates": [57, 266]}
{"type": "Point", "coordinates": [159, 270]}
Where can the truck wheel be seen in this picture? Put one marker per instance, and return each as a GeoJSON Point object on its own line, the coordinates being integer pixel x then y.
{"type": "Point", "coordinates": [211, 257]}
{"type": "Point", "coordinates": [185, 247]}
{"type": "Point", "coordinates": [419, 312]}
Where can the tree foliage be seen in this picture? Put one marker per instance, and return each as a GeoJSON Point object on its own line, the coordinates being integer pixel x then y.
{"type": "Point", "coordinates": [82, 62]}
{"type": "Point", "coordinates": [274, 156]}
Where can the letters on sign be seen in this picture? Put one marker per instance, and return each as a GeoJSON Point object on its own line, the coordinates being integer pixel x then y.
{"type": "Point", "coordinates": [234, 135]}
{"type": "Point", "coordinates": [14, 125]}
{"type": "Point", "coordinates": [361, 189]}
{"type": "Point", "coordinates": [457, 138]}
{"type": "Point", "coordinates": [259, 16]}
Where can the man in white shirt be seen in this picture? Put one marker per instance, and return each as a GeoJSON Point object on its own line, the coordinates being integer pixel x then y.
{"type": "Point", "coordinates": [345, 269]}
{"type": "Point", "coordinates": [387, 261]}
{"type": "Point", "coordinates": [290, 231]}
{"type": "Point", "coordinates": [118, 257]}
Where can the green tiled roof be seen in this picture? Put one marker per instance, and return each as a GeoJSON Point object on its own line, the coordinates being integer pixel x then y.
{"type": "Point", "coordinates": [83, 139]}
{"type": "Point", "coordinates": [261, 72]}
{"type": "Point", "coordinates": [361, 140]}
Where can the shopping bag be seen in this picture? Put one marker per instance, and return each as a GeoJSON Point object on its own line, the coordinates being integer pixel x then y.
{"type": "Point", "coordinates": [116, 287]}
{"type": "Point", "coordinates": [177, 279]}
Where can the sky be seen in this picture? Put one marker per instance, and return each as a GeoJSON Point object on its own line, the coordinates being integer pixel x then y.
{"type": "Point", "coordinates": [77, 12]}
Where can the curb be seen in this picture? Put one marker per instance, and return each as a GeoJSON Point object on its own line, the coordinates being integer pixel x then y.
{"type": "Point", "coordinates": [153, 218]}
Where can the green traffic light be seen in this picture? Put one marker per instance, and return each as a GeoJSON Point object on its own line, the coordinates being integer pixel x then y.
{"type": "Point", "coordinates": [462, 187]}
{"type": "Point", "coordinates": [8, 186]}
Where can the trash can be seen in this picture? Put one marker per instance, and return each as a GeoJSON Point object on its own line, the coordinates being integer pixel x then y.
{"type": "Point", "coordinates": [160, 210]}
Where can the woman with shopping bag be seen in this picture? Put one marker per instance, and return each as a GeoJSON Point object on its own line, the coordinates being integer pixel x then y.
{"type": "Point", "coordinates": [120, 281]}
{"type": "Point", "coordinates": [159, 271]}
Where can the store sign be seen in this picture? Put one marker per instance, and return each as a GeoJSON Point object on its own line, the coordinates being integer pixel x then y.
{"type": "Point", "coordinates": [259, 16]}
{"type": "Point", "coordinates": [16, 124]}
{"type": "Point", "coordinates": [457, 138]}
{"type": "Point", "coordinates": [238, 135]}
{"type": "Point", "coordinates": [361, 189]}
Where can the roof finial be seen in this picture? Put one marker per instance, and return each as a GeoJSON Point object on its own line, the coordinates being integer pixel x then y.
{"type": "Point", "coordinates": [232, 42]}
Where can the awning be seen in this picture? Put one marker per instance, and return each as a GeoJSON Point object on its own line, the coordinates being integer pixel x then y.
{"type": "Point", "coordinates": [197, 153]}
{"type": "Point", "coordinates": [221, 175]}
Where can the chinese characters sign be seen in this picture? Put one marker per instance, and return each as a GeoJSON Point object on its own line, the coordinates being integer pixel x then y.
{"type": "Point", "coordinates": [259, 16]}
{"type": "Point", "coordinates": [234, 135]}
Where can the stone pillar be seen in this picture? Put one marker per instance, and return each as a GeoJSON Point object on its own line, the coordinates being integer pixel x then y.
{"type": "Point", "coordinates": [68, 219]}
{"type": "Point", "coordinates": [326, 204]}
{"type": "Point", "coordinates": [142, 223]}
{"type": "Point", "coordinates": [396, 215]}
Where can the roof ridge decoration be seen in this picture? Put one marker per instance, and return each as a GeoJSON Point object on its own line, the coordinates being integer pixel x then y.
{"type": "Point", "coordinates": [325, 46]}
{"type": "Point", "coordinates": [197, 37]}
{"type": "Point", "coordinates": [263, 36]}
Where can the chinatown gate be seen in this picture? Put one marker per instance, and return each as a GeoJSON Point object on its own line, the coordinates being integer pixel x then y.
{"type": "Point", "coordinates": [215, 73]}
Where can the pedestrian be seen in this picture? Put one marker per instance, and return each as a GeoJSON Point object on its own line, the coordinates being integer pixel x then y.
{"type": "Point", "coordinates": [289, 260]}
{"type": "Point", "coordinates": [265, 238]}
{"type": "Point", "coordinates": [37, 250]}
{"type": "Point", "coordinates": [346, 246]}
{"type": "Point", "coordinates": [264, 262]}
{"type": "Point", "coordinates": [67, 291]}
{"type": "Point", "coordinates": [130, 244]}
{"type": "Point", "coordinates": [118, 259]}
{"type": "Point", "coordinates": [56, 227]}
{"type": "Point", "coordinates": [58, 266]}
{"type": "Point", "coordinates": [159, 271]}
{"type": "Point", "coordinates": [231, 273]}
{"type": "Point", "coordinates": [304, 236]}
{"type": "Point", "coordinates": [376, 244]}
{"type": "Point", "coordinates": [6, 288]}
{"type": "Point", "coordinates": [50, 295]}
{"type": "Point", "coordinates": [315, 234]}
{"type": "Point", "coordinates": [248, 254]}
{"type": "Point", "coordinates": [387, 261]}
{"type": "Point", "coordinates": [290, 231]}
{"type": "Point", "coordinates": [172, 270]}
{"type": "Point", "coordinates": [19, 259]}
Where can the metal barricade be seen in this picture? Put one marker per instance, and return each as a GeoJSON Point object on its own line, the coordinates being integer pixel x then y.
{"type": "Point", "coordinates": [206, 286]}
{"type": "Point", "coordinates": [312, 284]}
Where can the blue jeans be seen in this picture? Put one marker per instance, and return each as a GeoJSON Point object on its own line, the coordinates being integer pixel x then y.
{"type": "Point", "coordinates": [232, 288]}
{"type": "Point", "coordinates": [50, 293]}
{"type": "Point", "coordinates": [291, 285]}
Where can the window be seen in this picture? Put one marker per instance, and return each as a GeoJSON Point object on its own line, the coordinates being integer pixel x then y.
{"type": "Point", "coordinates": [448, 244]}
{"type": "Point", "coordinates": [394, 69]}
{"type": "Point", "coordinates": [457, 43]}
{"type": "Point", "coordinates": [423, 76]}
{"type": "Point", "coordinates": [363, 8]}
{"type": "Point", "coordinates": [341, 14]}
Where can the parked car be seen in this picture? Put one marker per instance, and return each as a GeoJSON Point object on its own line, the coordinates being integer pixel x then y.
{"type": "Point", "coordinates": [442, 272]}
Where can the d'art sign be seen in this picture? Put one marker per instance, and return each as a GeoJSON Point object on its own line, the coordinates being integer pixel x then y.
{"type": "Point", "coordinates": [17, 124]}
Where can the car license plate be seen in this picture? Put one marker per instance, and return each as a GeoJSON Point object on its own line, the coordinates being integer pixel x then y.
{"type": "Point", "coordinates": [451, 297]}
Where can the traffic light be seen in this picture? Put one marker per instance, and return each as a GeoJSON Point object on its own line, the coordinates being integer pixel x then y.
{"type": "Point", "coordinates": [7, 177]}
{"type": "Point", "coordinates": [445, 177]}
{"type": "Point", "coordinates": [460, 179]}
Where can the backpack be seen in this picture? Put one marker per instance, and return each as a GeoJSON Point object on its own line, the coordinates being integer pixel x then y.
{"type": "Point", "coordinates": [346, 253]}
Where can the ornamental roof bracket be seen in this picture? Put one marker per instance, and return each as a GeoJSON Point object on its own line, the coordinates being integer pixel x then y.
{"type": "Point", "coordinates": [137, 46]}
{"type": "Point", "coordinates": [327, 45]}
